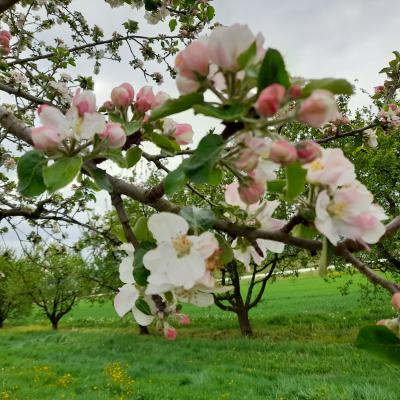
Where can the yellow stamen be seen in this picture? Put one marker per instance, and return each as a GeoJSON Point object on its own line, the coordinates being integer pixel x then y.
{"type": "Point", "coordinates": [182, 245]}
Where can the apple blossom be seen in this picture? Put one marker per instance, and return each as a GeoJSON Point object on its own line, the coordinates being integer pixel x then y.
{"type": "Point", "coordinates": [270, 100]}
{"type": "Point", "coordinates": [379, 89]}
{"type": "Point", "coordinates": [331, 169]}
{"type": "Point", "coordinates": [283, 152]}
{"type": "Point", "coordinates": [114, 134]}
{"type": "Point", "coordinates": [5, 38]}
{"type": "Point", "coordinates": [122, 95]}
{"type": "Point", "coordinates": [160, 98]}
{"type": "Point", "coordinates": [186, 85]}
{"type": "Point", "coordinates": [252, 192]}
{"type": "Point", "coordinates": [371, 138]}
{"type": "Point", "coordinates": [46, 138]}
{"type": "Point", "coordinates": [349, 213]}
{"type": "Point", "coordinates": [252, 148]}
{"type": "Point", "coordinates": [183, 134]}
{"type": "Point", "coordinates": [169, 332]}
{"type": "Point", "coordinates": [226, 44]}
{"type": "Point", "coordinates": [294, 91]}
{"type": "Point", "coordinates": [179, 260]}
{"type": "Point", "coordinates": [308, 151]}
{"type": "Point", "coordinates": [318, 109]}
{"type": "Point", "coordinates": [84, 101]}
{"type": "Point", "coordinates": [144, 99]}
{"type": "Point", "coordinates": [193, 60]}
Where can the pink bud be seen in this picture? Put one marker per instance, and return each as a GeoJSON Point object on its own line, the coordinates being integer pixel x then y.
{"type": "Point", "coordinates": [160, 99]}
{"type": "Point", "coordinates": [345, 120]}
{"type": "Point", "coordinates": [194, 59]}
{"type": "Point", "coordinates": [114, 134]}
{"type": "Point", "coordinates": [108, 105]}
{"type": "Point", "coordinates": [318, 109]}
{"type": "Point", "coordinates": [308, 151]}
{"type": "Point", "coordinates": [183, 134]}
{"type": "Point", "coordinates": [283, 152]}
{"type": "Point", "coordinates": [170, 332]}
{"type": "Point", "coordinates": [45, 138]}
{"type": "Point", "coordinates": [379, 89]}
{"type": "Point", "coordinates": [396, 300]}
{"type": "Point", "coordinates": [144, 99]}
{"type": "Point", "coordinates": [122, 95]}
{"type": "Point", "coordinates": [295, 92]}
{"type": "Point", "coordinates": [270, 99]}
{"type": "Point", "coordinates": [184, 319]}
{"type": "Point", "coordinates": [253, 192]}
{"type": "Point", "coordinates": [247, 161]}
{"type": "Point", "coordinates": [393, 107]}
{"type": "Point", "coordinates": [84, 101]}
{"type": "Point", "coordinates": [5, 34]}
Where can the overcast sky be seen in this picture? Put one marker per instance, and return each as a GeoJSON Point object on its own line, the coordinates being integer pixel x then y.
{"type": "Point", "coordinates": [350, 39]}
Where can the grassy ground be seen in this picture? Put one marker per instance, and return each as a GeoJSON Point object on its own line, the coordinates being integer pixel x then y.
{"type": "Point", "coordinates": [302, 350]}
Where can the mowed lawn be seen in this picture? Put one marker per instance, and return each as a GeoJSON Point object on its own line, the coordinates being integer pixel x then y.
{"type": "Point", "coordinates": [302, 349]}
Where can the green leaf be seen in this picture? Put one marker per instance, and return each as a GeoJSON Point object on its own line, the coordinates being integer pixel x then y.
{"type": "Point", "coordinates": [131, 127]}
{"type": "Point", "coordinates": [172, 24]}
{"type": "Point", "coordinates": [140, 272]}
{"type": "Point", "coordinates": [114, 117]}
{"type": "Point", "coordinates": [247, 56]}
{"type": "Point", "coordinates": [133, 156]}
{"type": "Point", "coordinates": [210, 13]}
{"type": "Point", "coordinates": [272, 70]}
{"type": "Point", "coordinates": [116, 156]}
{"type": "Point", "coordinates": [225, 113]}
{"type": "Point", "coordinates": [199, 219]}
{"type": "Point", "coordinates": [304, 232]}
{"type": "Point", "coordinates": [200, 165]}
{"type": "Point", "coordinates": [118, 231]}
{"type": "Point", "coordinates": [61, 173]}
{"type": "Point", "coordinates": [141, 230]}
{"type": "Point", "coordinates": [227, 252]}
{"type": "Point", "coordinates": [326, 256]}
{"type": "Point", "coordinates": [150, 5]}
{"type": "Point", "coordinates": [215, 177]}
{"type": "Point", "coordinates": [29, 171]}
{"type": "Point", "coordinates": [175, 106]}
{"type": "Point", "coordinates": [175, 181]}
{"type": "Point", "coordinates": [143, 306]}
{"type": "Point", "coordinates": [295, 180]}
{"type": "Point", "coordinates": [277, 186]}
{"type": "Point", "coordinates": [336, 86]}
{"type": "Point", "coordinates": [164, 143]}
{"type": "Point", "coordinates": [380, 341]}
{"type": "Point", "coordinates": [101, 179]}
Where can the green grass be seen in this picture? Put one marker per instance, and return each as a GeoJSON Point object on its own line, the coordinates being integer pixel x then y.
{"type": "Point", "coordinates": [302, 349]}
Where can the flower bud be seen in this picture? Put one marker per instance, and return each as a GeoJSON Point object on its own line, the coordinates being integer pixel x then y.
{"type": "Point", "coordinates": [318, 109]}
{"type": "Point", "coordinates": [170, 332]}
{"type": "Point", "coordinates": [396, 300]}
{"type": "Point", "coordinates": [193, 60]}
{"type": "Point", "coordinates": [144, 99]}
{"type": "Point", "coordinates": [247, 160]}
{"type": "Point", "coordinates": [282, 152]}
{"type": "Point", "coordinates": [45, 138]}
{"type": "Point", "coordinates": [122, 95]}
{"type": "Point", "coordinates": [295, 92]}
{"type": "Point", "coordinates": [308, 151]}
{"type": "Point", "coordinates": [108, 105]}
{"type": "Point", "coordinates": [186, 85]}
{"type": "Point", "coordinates": [184, 319]}
{"type": "Point", "coordinates": [183, 134]}
{"type": "Point", "coordinates": [379, 89]}
{"type": "Point", "coordinates": [270, 99]}
{"type": "Point", "coordinates": [253, 192]}
{"type": "Point", "coordinates": [5, 38]}
{"type": "Point", "coordinates": [160, 98]}
{"type": "Point", "coordinates": [84, 101]}
{"type": "Point", "coordinates": [114, 134]}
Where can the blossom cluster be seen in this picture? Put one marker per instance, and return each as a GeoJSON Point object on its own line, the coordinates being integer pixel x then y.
{"type": "Point", "coordinates": [390, 116]}
{"type": "Point", "coordinates": [5, 38]}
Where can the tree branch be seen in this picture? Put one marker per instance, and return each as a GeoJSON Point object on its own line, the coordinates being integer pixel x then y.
{"type": "Point", "coordinates": [20, 93]}
{"type": "Point", "coordinates": [346, 134]}
{"type": "Point", "coordinates": [6, 4]}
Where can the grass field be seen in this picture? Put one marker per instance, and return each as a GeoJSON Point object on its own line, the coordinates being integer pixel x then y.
{"type": "Point", "coordinates": [302, 349]}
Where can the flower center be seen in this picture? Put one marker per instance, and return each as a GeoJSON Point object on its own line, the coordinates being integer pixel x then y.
{"type": "Point", "coordinates": [316, 165]}
{"type": "Point", "coordinates": [182, 245]}
{"type": "Point", "coordinates": [337, 209]}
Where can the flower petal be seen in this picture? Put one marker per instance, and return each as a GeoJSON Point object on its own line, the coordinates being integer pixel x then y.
{"type": "Point", "coordinates": [164, 226]}
{"type": "Point", "coordinates": [125, 299]}
{"type": "Point", "coordinates": [142, 318]}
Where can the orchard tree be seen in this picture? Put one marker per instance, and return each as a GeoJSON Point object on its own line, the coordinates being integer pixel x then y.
{"type": "Point", "coordinates": [54, 280]}
{"type": "Point", "coordinates": [229, 76]}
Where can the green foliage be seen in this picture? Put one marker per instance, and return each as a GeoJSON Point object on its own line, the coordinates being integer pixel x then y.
{"type": "Point", "coordinates": [272, 70]}
{"type": "Point", "coordinates": [336, 86]}
{"type": "Point", "coordinates": [175, 180]}
{"type": "Point", "coordinates": [295, 181]}
{"type": "Point", "coordinates": [101, 179]}
{"type": "Point", "coordinates": [140, 273]}
{"type": "Point", "coordinates": [199, 219]}
{"type": "Point", "coordinates": [29, 170]}
{"type": "Point", "coordinates": [247, 57]}
{"type": "Point", "coordinates": [164, 143]}
{"type": "Point", "coordinates": [133, 156]}
{"type": "Point", "coordinates": [61, 173]}
{"type": "Point", "coordinates": [224, 113]}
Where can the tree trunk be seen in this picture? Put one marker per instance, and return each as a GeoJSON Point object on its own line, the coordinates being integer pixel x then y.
{"type": "Point", "coordinates": [54, 324]}
{"type": "Point", "coordinates": [1, 323]}
{"type": "Point", "coordinates": [143, 330]}
{"type": "Point", "coordinates": [244, 322]}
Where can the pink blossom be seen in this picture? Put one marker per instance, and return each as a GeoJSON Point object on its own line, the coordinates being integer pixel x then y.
{"type": "Point", "coordinates": [45, 138]}
{"type": "Point", "coordinates": [122, 95]}
{"type": "Point", "coordinates": [160, 98]}
{"type": "Point", "coordinates": [186, 85]}
{"type": "Point", "coordinates": [379, 89]}
{"type": "Point", "coordinates": [5, 38]}
{"type": "Point", "coordinates": [318, 109]}
{"type": "Point", "coordinates": [396, 300]}
{"type": "Point", "coordinates": [283, 152]}
{"type": "Point", "coordinates": [193, 60]}
{"type": "Point", "coordinates": [108, 105]}
{"type": "Point", "coordinates": [169, 332]}
{"type": "Point", "coordinates": [114, 134]}
{"type": "Point", "coordinates": [144, 99]}
{"type": "Point", "coordinates": [308, 151]}
{"type": "Point", "coordinates": [270, 99]}
{"type": "Point", "coordinates": [226, 44]}
{"type": "Point", "coordinates": [295, 91]}
{"type": "Point", "coordinates": [252, 192]}
{"type": "Point", "coordinates": [331, 169]}
{"type": "Point", "coordinates": [84, 101]}
{"type": "Point", "coordinates": [183, 134]}
{"type": "Point", "coordinates": [253, 149]}
{"type": "Point", "coordinates": [184, 319]}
